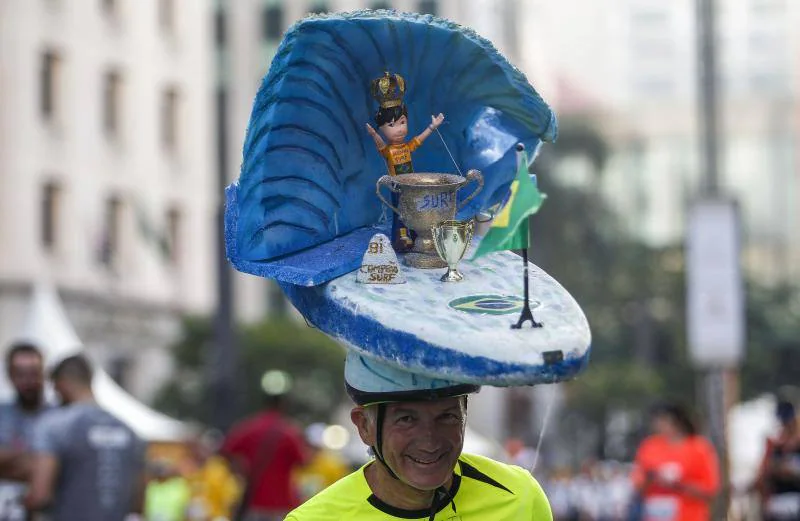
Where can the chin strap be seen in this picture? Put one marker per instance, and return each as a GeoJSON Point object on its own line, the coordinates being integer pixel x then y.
{"type": "Point", "coordinates": [378, 448]}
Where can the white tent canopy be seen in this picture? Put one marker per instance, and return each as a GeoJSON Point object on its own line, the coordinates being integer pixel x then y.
{"type": "Point", "coordinates": [48, 328]}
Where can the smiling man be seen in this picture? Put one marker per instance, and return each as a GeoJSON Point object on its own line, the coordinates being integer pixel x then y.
{"type": "Point", "coordinates": [414, 427]}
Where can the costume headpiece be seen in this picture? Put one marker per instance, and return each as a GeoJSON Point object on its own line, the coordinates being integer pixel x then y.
{"type": "Point", "coordinates": [388, 90]}
{"type": "Point", "coordinates": [305, 209]}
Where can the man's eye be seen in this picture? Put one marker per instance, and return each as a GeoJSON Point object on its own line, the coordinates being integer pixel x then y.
{"type": "Point", "coordinates": [405, 419]}
{"type": "Point", "coordinates": [450, 417]}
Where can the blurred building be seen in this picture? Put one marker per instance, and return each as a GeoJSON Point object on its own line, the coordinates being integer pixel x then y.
{"type": "Point", "coordinates": [106, 172]}
{"type": "Point", "coordinates": [630, 66]}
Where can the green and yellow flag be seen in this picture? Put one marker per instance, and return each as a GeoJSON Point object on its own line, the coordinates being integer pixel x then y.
{"type": "Point", "coordinates": [509, 229]}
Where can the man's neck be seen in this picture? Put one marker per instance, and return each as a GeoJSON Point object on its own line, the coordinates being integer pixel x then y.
{"type": "Point", "coordinates": [82, 396]}
{"type": "Point", "coordinates": [397, 493]}
{"type": "Point", "coordinates": [30, 405]}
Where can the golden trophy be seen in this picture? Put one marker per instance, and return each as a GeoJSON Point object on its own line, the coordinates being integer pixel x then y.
{"type": "Point", "coordinates": [451, 239]}
{"type": "Point", "coordinates": [425, 199]}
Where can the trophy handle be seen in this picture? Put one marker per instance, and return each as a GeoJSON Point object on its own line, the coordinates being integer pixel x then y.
{"type": "Point", "coordinates": [386, 180]}
{"type": "Point", "coordinates": [472, 175]}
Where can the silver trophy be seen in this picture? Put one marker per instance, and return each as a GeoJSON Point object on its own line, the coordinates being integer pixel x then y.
{"type": "Point", "coordinates": [451, 239]}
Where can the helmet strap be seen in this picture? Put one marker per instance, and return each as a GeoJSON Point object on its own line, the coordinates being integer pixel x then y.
{"type": "Point", "coordinates": [378, 448]}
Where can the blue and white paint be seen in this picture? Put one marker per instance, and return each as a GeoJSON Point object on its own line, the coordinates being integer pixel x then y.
{"type": "Point", "coordinates": [412, 325]}
{"type": "Point", "coordinates": [309, 167]}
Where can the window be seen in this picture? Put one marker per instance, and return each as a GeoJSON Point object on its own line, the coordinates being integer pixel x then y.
{"type": "Point", "coordinates": [220, 21]}
{"type": "Point", "coordinates": [380, 5]}
{"type": "Point", "coordinates": [48, 85]}
{"type": "Point", "coordinates": [319, 8]}
{"type": "Point", "coordinates": [166, 15]}
{"type": "Point", "coordinates": [112, 231]}
{"type": "Point", "coordinates": [766, 7]}
{"type": "Point", "coordinates": [112, 86]}
{"type": "Point", "coordinates": [428, 7]}
{"type": "Point", "coordinates": [650, 19]}
{"type": "Point", "coordinates": [174, 224]}
{"type": "Point", "coordinates": [169, 119]}
{"type": "Point", "coordinates": [51, 199]}
{"type": "Point", "coordinates": [272, 22]}
{"type": "Point", "coordinates": [110, 7]}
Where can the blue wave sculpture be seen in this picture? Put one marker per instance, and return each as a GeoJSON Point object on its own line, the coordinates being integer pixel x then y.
{"type": "Point", "coordinates": [309, 167]}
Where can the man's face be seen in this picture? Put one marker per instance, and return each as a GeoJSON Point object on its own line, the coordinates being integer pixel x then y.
{"type": "Point", "coordinates": [396, 131]}
{"type": "Point", "coordinates": [27, 376]}
{"type": "Point", "coordinates": [423, 440]}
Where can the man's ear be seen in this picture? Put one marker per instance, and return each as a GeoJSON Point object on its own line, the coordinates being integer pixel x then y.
{"type": "Point", "coordinates": [361, 419]}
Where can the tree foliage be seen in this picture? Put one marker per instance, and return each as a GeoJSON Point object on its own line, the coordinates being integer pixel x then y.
{"type": "Point", "coordinates": [634, 298]}
{"type": "Point", "coordinates": [313, 360]}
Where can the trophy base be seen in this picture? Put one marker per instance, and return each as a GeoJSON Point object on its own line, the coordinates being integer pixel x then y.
{"type": "Point", "coordinates": [452, 275]}
{"type": "Point", "coordinates": [423, 260]}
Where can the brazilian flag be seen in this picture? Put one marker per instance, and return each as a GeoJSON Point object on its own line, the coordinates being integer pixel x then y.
{"type": "Point", "coordinates": [509, 229]}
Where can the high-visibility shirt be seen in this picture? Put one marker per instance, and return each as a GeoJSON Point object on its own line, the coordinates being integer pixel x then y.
{"type": "Point", "coordinates": [482, 489]}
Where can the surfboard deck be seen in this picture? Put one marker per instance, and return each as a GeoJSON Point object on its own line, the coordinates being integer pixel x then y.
{"type": "Point", "coordinates": [459, 331]}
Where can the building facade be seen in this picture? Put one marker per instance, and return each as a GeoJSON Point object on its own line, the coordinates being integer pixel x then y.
{"type": "Point", "coordinates": [631, 65]}
{"type": "Point", "coordinates": [106, 172]}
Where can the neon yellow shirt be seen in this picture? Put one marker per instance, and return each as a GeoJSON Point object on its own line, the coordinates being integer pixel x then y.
{"type": "Point", "coordinates": [484, 489]}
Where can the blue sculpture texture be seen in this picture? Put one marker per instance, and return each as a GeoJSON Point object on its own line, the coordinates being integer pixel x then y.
{"type": "Point", "coordinates": [309, 168]}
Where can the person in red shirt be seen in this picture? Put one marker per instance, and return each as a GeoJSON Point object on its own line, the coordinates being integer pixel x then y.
{"type": "Point", "coordinates": [676, 472]}
{"type": "Point", "coordinates": [266, 449]}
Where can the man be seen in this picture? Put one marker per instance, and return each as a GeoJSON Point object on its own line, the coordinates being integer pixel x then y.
{"type": "Point", "coordinates": [266, 449]}
{"type": "Point", "coordinates": [414, 427]}
{"type": "Point", "coordinates": [25, 369]}
{"type": "Point", "coordinates": [87, 464]}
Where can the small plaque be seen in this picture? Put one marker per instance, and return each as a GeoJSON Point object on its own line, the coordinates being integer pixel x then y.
{"type": "Point", "coordinates": [379, 265]}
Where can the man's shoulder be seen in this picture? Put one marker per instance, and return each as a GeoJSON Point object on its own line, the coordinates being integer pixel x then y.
{"type": "Point", "coordinates": [8, 408]}
{"type": "Point", "coordinates": [81, 416]}
{"type": "Point", "coordinates": [487, 483]}
{"type": "Point", "coordinates": [344, 498]}
{"type": "Point", "coordinates": [496, 473]}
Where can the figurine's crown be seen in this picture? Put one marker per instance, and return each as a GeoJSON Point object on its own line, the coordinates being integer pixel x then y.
{"type": "Point", "coordinates": [388, 90]}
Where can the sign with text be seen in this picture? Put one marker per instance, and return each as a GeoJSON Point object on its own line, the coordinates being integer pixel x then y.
{"type": "Point", "coordinates": [379, 265]}
{"type": "Point", "coordinates": [714, 291]}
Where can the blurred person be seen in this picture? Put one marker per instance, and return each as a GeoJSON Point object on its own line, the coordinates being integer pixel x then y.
{"type": "Point", "coordinates": [167, 494]}
{"type": "Point", "coordinates": [587, 491]}
{"type": "Point", "coordinates": [266, 449]}
{"type": "Point", "coordinates": [560, 493]}
{"type": "Point", "coordinates": [676, 472]}
{"type": "Point", "coordinates": [87, 465]}
{"type": "Point", "coordinates": [778, 478]}
{"type": "Point", "coordinates": [215, 488]}
{"type": "Point", "coordinates": [414, 427]}
{"type": "Point", "coordinates": [25, 369]}
{"type": "Point", "coordinates": [619, 490]}
{"type": "Point", "coordinates": [519, 454]}
{"type": "Point", "coordinates": [325, 466]}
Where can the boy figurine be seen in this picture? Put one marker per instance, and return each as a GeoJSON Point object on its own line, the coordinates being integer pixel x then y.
{"type": "Point", "coordinates": [392, 121]}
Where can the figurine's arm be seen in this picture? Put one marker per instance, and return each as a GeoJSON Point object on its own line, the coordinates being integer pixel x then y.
{"type": "Point", "coordinates": [435, 122]}
{"type": "Point", "coordinates": [377, 137]}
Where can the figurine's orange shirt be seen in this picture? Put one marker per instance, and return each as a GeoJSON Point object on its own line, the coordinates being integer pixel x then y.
{"type": "Point", "coordinates": [398, 157]}
{"type": "Point", "coordinates": [692, 461]}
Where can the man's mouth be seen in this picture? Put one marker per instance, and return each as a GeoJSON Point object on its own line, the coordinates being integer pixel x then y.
{"type": "Point", "coordinates": [427, 460]}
